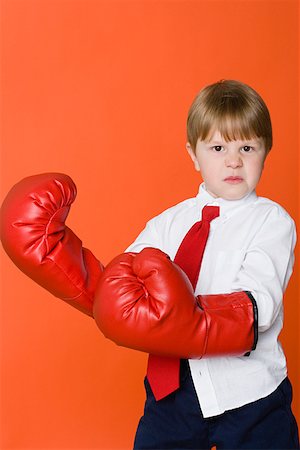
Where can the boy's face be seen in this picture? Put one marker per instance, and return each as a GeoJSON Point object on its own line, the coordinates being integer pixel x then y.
{"type": "Point", "coordinates": [230, 170]}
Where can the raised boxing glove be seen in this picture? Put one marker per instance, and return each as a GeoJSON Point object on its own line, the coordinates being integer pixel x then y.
{"type": "Point", "coordinates": [146, 302]}
{"type": "Point", "coordinates": [34, 235]}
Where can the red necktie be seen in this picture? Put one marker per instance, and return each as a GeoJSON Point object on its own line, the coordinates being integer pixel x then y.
{"type": "Point", "coordinates": [163, 372]}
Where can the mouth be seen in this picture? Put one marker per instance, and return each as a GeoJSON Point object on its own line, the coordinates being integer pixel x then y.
{"type": "Point", "coordinates": [234, 180]}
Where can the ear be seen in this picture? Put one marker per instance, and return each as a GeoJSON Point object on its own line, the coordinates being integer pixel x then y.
{"type": "Point", "coordinates": [193, 156]}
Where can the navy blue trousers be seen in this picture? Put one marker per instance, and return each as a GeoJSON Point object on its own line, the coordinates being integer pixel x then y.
{"type": "Point", "coordinates": [176, 422]}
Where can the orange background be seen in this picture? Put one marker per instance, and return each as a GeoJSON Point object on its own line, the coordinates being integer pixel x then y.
{"type": "Point", "coordinates": [100, 90]}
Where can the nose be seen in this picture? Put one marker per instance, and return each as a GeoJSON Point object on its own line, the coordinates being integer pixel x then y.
{"type": "Point", "coordinates": [233, 161]}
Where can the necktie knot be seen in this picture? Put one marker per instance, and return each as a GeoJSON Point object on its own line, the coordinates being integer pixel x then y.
{"type": "Point", "coordinates": [209, 213]}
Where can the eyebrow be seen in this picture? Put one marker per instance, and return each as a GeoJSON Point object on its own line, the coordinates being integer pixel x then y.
{"type": "Point", "coordinates": [248, 141]}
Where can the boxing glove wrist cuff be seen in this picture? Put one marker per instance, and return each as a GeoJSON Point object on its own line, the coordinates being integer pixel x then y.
{"type": "Point", "coordinates": [232, 327]}
{"type": "Point", "coordinates": [255, 321]}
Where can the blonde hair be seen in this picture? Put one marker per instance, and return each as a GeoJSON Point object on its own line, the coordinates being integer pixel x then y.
{"type": "Point", "coordinates": [234, 109]}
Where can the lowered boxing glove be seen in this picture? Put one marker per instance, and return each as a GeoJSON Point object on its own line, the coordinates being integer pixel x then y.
{"type": "Point", "coordinates": [34, 235]}
{"type": "Point", "coordinates": [146, 302]}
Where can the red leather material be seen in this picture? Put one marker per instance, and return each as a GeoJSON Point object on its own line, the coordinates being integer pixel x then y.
{"type": "Point", "coordinates": [146, 302]}
{"type": "Point", "coordinates": [34, 235]}
{"type": "Point", "coordinates": [230, 323]}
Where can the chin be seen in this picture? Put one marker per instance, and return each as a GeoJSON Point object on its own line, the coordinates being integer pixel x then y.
{"type": "Point", "coordinates": [236, 192]}
{"type": "Point", "coordinates": [235, 196]}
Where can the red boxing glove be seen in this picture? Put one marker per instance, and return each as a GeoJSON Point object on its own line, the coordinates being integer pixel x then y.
{"type": "Point", "coordinates": [34, 235]}
{"type": "Point", "coordinates": [146, 302]}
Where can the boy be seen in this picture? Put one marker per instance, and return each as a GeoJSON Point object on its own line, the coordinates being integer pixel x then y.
{"type": "Point", "coordinates": [229, 401]}
{"type": "Point", "coordinates": [234, 391]}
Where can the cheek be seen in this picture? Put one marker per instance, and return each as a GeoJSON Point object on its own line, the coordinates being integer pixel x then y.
{"type": "Point", "coordinates": [207, 167]}
{"type": "Point", "coordinates": [207, 174]}
{"type": "Point", "coordinates": [255, 170]}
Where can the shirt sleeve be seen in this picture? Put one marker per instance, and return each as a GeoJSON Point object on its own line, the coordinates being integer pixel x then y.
{"type": "Point", "coordinates": [268, 265]}
{"type": "Point", "coordinates": [149, 237]}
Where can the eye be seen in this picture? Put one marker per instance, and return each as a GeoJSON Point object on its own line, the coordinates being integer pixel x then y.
{"type": "Point", "coordinates": [217, 148]}
{"type": "Point", "coordinates": [247, 148]}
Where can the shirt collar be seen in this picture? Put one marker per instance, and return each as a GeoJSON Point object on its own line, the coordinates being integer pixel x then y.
{"type": "Point", "coordinates": [227, 207]}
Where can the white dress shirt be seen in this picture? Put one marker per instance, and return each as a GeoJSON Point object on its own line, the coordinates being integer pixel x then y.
{"type": "Point", "coordinates": [250, 247]}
